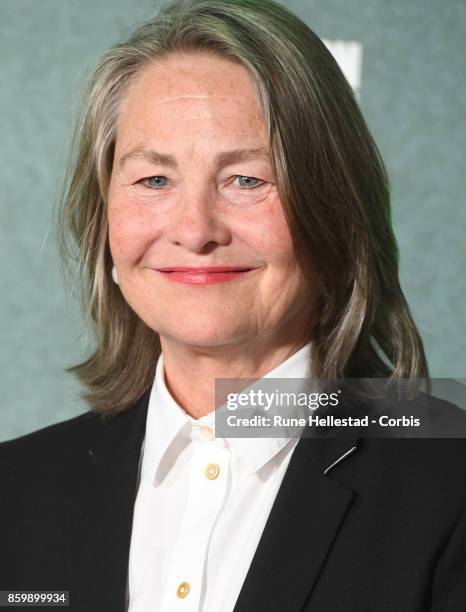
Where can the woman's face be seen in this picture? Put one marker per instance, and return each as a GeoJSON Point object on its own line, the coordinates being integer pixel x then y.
{"type": "Point", "coordinates": [192, 186]}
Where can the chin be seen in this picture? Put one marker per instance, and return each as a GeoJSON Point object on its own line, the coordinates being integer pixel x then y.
{"type": "Point", "coordinates": [198, 334]}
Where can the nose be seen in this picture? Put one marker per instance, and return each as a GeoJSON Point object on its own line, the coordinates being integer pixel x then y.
{"type": "Point", "coordinates": [195, 222]}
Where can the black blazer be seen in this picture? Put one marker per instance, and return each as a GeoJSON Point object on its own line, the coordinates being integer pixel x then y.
{"type": "Point", "coordinates": [383, 530]}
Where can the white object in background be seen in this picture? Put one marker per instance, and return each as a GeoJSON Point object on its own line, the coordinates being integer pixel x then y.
{"type": "Point", "coordinates": [348, 54]}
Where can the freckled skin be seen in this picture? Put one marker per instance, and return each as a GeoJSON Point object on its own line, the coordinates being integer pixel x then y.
{"type": "Point", "coordinates": [193, 107]}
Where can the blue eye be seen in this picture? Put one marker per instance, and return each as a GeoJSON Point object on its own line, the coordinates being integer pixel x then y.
{"type": "Point", "coordinates": [249, 178]}
{"type": "Point", "coordinates": [156, 181]}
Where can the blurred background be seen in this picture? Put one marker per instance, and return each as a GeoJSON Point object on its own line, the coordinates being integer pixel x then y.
{"type": "Point", "coordinates": [407, 62]}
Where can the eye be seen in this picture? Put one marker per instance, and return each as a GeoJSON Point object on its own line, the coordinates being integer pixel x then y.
{"type": "Point", "coordinates": [154, 181]}
{"type": "Point", "coordinates": [247, 181]}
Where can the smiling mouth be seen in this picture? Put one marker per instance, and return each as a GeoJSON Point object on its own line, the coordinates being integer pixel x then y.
{"type": "Point", "coordinates": [205, 270]}
{"type": "Point", "coordinates": [205, 276]}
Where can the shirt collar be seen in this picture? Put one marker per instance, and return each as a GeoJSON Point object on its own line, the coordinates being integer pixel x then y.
{"type": "Point", "coordinates": [168, 424]}
{"type": "Point", "coordinates": [256, 452]}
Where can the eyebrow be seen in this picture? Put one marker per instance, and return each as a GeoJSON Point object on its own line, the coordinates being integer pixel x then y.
{"type": "Point", "coordinates": [221, 159]}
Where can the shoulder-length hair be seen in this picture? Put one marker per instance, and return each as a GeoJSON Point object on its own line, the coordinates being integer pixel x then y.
{"type": "Point", "coordinates": [329, 174]}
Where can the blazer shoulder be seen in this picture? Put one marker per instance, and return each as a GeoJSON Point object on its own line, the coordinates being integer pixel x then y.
{"type": "Point", "coordinates": [51, 433]}
{"type": "Point", "coordinates": [48, 448]}
{"type": "Point", "coordinates": [66, 448]}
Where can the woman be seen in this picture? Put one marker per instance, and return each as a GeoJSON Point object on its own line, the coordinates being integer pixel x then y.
{"type": "Point", "coordinates": [229, 214]}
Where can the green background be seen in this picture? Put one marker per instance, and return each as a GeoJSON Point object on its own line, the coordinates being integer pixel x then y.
{"type": "Point", "coordinates": [413, 95]}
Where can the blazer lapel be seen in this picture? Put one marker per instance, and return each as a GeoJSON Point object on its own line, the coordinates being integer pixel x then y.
{"type": "Point", "coordinates": [302, 525]}
{"type": "Point", "coordinates": [99, 510]}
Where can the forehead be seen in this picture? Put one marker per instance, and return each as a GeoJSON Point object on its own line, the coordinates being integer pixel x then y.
{"type": "Point", "coordinates": [195, 88]}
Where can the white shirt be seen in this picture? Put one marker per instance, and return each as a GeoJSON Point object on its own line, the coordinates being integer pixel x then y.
{"type": "Point", "coordinates": [202, 504]}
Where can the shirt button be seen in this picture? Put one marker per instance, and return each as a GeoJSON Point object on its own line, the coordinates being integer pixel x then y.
{"type": "Point", "coordinates": [208, 432]}
{"type": "Point", "coordinates": [182, 590]}
{"type": "Point", "coordinates": [212, 471]}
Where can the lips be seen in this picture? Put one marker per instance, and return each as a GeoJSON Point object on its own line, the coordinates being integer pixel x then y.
{"type": "Point", "coordinates": [205, 270]}
{"type": "Point", "coordinates": [205, 275]}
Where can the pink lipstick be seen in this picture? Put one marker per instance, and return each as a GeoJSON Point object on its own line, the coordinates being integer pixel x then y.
{"type": "Point", "coordinates": [205, 275]}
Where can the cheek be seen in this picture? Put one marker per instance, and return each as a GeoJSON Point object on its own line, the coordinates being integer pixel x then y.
{"type": "Point", "coordinates": [283, 250]}
{"type": "Point", "coordinates": [129, 233]}
{"type": "Point", "coordinates": [273, 238]}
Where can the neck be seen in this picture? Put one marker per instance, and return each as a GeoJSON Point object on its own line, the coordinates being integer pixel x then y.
{"type": "Point", "coordinates": [190, 372]}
